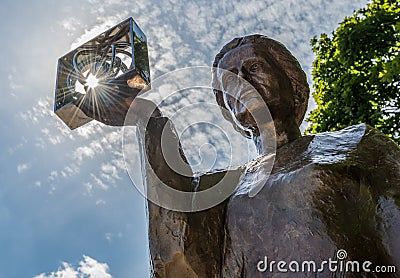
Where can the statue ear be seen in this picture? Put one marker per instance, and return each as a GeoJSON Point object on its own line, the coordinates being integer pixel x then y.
{"type": "Point", "coordinates": [297, 77]}
{"type": "Point", "coordinates": [300, 103]}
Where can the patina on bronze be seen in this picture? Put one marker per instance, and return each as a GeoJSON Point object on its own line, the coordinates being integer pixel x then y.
{"type": "Point", "coordinates": [331, 191]}
{"type": "Point", "coordinates": [114, 61]}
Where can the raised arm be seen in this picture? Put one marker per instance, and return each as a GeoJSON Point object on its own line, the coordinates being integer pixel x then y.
{"type": "Point", "coordinates": [163, 163]}
{"type": "Point", "coordinates": [167, 228]}
{"type": "Point", "coordinates": [181, 244]}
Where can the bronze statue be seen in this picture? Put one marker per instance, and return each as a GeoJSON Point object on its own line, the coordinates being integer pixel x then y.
{"type": "Point", "coordinates": [327, 192]}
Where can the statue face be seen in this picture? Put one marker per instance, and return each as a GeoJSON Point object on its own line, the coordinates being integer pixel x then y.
{"type": "Point", "coordinates": [253, 63]}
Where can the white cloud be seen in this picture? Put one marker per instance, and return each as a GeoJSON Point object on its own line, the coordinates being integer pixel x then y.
{"type": "Point", "coordinates": [42, 109]}
{"type": "Point", "coordinates": [71, 169]}
{"type": "Point", "coordinates": [110, 169]}
{"type": "Point", "coordinates": [99, 182]}
{"type": "Point", "coordinates": [108, 236]}
{"type": "Point", "coordinates": [89, 130]}
{"type": "Point", "coordinates": [96, 147]}
{"type": "Point", "coordinates": [100, 202]}
{"type": "Point", "coordinates": [111, 140]}
{"type": "Point", "coordinates": [88, 268]}
{"type": "Point", "coordinates": [89, 187]}
{"type": "Point", "coordinates": [93, 268]}
{"type": "Point", "coordinates": [104, 24]}
{"type": "Point", "coordinates": [65, 271]}
{"type": "Point", "coordinates": [14, 86]}
{"type": "Point", "coordinates": [119, 163]}
{"type": "Point", "coordinates": [55, 140]}
{"type": "Point", "coordinates": [45, 131]}
{"type": "Point", "coordinates": [70, 24]}
{"type": "Point", "coordinates": [15, 148]}
{"type": "Point", "coordinates": [23, 167]}
{"type": "Point", "coordinates": [82, 152]}
{"type": "Point", "coordinates": [53, 175]}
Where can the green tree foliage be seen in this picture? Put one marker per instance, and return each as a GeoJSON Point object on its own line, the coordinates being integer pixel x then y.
{"type": "Point", "coordinates": [356, 71]}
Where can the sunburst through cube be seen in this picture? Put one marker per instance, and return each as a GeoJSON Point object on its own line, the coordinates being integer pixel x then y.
{"type": "Point", "coordinates": [115, 61]}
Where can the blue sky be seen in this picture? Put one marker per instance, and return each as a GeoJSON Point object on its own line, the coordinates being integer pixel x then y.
{"type": "Point", "coordinates": [67, 205]}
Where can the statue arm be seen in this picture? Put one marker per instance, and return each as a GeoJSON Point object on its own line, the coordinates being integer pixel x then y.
{"type": "Point", "coordinates": [164, 165]}
{"type": "Point", "coordinates": [163, 155]}
{"type": "Point", "coordinates": [182, 244]}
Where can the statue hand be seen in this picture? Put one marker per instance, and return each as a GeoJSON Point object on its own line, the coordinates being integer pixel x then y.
{"type": "Point", "coordinates": [111, 106]}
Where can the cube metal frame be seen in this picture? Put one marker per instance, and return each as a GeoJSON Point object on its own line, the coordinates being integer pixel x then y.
{"type": "Point", "coordinates": [118, 58]}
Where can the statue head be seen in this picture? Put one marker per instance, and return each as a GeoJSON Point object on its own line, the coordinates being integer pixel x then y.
{"type": "Point", "coordinates": [272, 70]}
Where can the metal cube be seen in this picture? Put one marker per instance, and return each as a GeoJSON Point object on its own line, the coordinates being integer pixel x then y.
{"type": "Point", "coordinates": [116, 59]}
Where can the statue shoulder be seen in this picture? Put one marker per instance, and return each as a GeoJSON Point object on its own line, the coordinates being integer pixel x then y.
{"type": "Point", "coordinates": [375, 142]}
{"type": "Point", "coordinates": [326, 148]}
{"type": "Point", "coordinates": [360, 143]}
{"type": "Point", "coordinates": [363, 152]}
{"type": "Point", "coordinates": [359, 146]}
{"type": "Point", "coordinates": [378, 158]}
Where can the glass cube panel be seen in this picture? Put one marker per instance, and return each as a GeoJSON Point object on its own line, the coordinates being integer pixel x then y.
{"type": "Point", "coordinates": [116, 60]}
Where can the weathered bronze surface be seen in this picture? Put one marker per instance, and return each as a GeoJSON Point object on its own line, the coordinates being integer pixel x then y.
{"type": "Point", "coordinates": [331, 191]}
{"type": "Point", "coordinates": [327, 192]}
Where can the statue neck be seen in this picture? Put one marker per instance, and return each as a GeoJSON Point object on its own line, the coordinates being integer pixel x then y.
{"type": "Point", "coordinates": [286, 130]}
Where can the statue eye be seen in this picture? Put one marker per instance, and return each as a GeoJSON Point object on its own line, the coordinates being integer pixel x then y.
{"type": "Point", "coordinates": [256, 67]}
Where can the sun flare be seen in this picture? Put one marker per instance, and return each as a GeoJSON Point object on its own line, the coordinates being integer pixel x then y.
{"type": "Point", "coordinates": [92, 81]}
